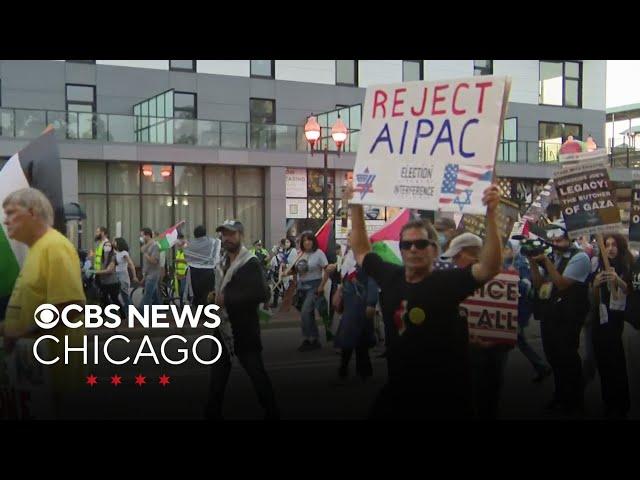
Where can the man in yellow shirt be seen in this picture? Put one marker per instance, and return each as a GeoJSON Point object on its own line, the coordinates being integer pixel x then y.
{"type": "Point", "coordinates": [50, 275]}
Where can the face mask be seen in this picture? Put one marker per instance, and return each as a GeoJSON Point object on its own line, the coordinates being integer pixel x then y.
{"type": "Point", "coordinates": [442, 240]}
{"type": "Point", "coordinates": [141, 240]}
{"type": "Point", "coordinates": [98, 238]}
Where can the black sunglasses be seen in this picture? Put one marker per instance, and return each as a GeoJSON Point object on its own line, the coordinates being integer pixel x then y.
{"type": "Point", "coordinates": [420, 244]}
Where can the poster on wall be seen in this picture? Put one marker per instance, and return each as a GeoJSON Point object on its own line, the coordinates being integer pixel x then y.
{"type": "Point", "coordinates": [296, 207]}
{"type": "Point", "coordinates": [296, 182]}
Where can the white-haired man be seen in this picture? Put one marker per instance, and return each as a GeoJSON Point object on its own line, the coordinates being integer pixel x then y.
{"type": "Point", "coordinates": [50, 275]}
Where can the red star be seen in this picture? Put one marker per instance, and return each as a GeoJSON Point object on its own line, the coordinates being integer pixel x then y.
{"type": "Point", "coordinates": [92, 380]}
{"type": "Point", "coordinates": [116, 380]}
{"type": "Point", "coordinates": [140, 380]}
{"type": "Point", "coordinates": [164, 380]}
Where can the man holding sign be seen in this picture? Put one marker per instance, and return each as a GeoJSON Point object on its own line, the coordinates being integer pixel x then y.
{"type": "Point", "coordinates": [428, 361]}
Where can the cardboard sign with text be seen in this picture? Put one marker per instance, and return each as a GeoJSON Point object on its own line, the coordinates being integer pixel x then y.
{"type": "Point", "coordinates": [492, 311]}
{"type": "Point", "coordinates": [538, 208]}
{"type": "Point", "coordinates": [430, 145]}
{"type": "Point", "coordinates": [634, 214]}
{"type": "Point", "coordinates": [587, 197]}
{"type": "Point", "coordinates": [507, 216]}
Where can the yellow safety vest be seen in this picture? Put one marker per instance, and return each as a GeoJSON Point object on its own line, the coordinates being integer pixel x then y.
{"type": "Point", "coordinates": [181, 268]}
{"type": "Point", "coordinates": [97, 261]}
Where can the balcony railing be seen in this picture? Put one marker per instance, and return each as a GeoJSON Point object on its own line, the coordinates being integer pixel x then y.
{"type": "Point", "coordinates": [545, 152]}
{"type": "Point", "coordinates": [106, 127]}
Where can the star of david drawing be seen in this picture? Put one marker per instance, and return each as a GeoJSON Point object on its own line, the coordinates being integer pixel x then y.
{"type": "Point", "coordinates": [466, 201]}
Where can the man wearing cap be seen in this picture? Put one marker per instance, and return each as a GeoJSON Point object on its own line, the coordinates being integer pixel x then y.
{"type": "Point", "coordinates": [562, 303]}
{"type": "Point", "coordinates": [240, 288]}
{"type": "Point", "coordinates": [464, 250]}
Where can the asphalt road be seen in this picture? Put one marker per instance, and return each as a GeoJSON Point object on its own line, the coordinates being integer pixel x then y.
{"type": "Point", "coordinates": [305, 385]}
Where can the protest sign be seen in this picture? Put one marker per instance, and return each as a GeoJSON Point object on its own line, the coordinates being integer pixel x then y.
{"type": "Point", "coordinates": [507, 215]}
{"type": "Point", "coordinates": [634, 215]}
{"type": "Point", "coordinates": [492, 311]}
{"type": "Point", "coordinates": [538, 207]}
{"type": "Point", "coordinates": [430, 145]}
{"type": "Point", "coordinates": [586, 196]}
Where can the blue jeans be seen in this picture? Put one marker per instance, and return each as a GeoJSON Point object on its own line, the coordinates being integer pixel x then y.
{"type": "Point", "coordinates": [307, 313]}
{"type": "Point", "coordinates": [126, 299]}
{"type": "Point", "coordinates": [151, 295]}
{"type": "Point", "coordinates": [528, 351]}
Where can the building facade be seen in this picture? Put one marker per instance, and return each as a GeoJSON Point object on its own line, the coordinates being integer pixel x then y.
{"type": "Point", "coordinates": [153, 142]}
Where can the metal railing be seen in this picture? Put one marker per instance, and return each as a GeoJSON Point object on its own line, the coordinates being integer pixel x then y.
{"type": "Point", "coordinates": [107, 127]}
{"type": "Point", "coordinates": [546, 152]}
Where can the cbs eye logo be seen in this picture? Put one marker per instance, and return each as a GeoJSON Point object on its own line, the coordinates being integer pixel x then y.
{"type": "Point", "coordinates": [46, 316]}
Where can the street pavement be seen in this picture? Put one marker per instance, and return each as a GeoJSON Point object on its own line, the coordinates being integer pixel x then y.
{"type": "Point", "coordinates": [304, 382]}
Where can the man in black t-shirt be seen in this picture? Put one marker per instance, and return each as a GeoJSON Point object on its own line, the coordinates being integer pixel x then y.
{"type": "Point", "coordinates": [428, 359]}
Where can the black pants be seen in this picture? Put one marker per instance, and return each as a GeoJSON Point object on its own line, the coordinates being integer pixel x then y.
{"type": "Point", "coordinates": [254, 366]}
{"type": "Point", "coordinates": [612, 364]}
{"type": "Point", "coordinates": [560, 341]}
{"type": "Point", "coordinates": [363, 361]}
{"type": "Point", "coordinates": [487, 378]}
{"type": "Point", "coordinates": [203, 281]}
{"type": "Point", "coordinates": [109, 294]}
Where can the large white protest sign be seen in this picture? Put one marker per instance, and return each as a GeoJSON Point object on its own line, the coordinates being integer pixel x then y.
{"type": "Point", "coordinates": [430, 145]}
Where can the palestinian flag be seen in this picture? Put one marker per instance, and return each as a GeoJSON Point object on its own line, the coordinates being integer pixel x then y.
{"type": "Point", "coordinates": [327, 239]}
{"type": "Point", "coordinates": [12, 253]}
{"type": "Point", "coordinates": [386, 241]}
{"type": "Point", "coordinates": [167, 239]}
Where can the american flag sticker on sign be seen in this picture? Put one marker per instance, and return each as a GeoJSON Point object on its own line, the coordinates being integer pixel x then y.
{"type": "Point", "coordinates": [462, 183]}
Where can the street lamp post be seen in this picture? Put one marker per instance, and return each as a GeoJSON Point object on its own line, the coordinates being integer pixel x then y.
{"type": "Point", "coordinates": [312, 133]}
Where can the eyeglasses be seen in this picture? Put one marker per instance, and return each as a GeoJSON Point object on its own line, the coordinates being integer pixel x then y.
{"type": "Point", "coordinates": [419, 244]}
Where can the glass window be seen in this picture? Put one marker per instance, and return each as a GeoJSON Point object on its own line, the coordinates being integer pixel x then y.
{"type": "Point", "coordinates": [95, 207]}
{"type": "Point", "coordinates": [483, 67]}
{"type": "Point", "coordinates": [189, 209]}
{"type": "Point", "coordinates": [92, 177]}
{"type": "Point", "coordinates": [560, 83]}
{"type": "Point", "coordinates": [552, 135]}
{"type": "Point", "coordinates": [262, 68]}
{"type": "Point", "coordinates": [184, 105]}
{"type": "Point", "coordinates": [124, 178]}
{"type": "Point", "coordinates": [571, 93]}
{"type": "Point", "coordinates": [262, 110]}
{"type": "Point", "coordinates": [572, 69]}
{"type": "Point", "coordinates": [218, 180]}
{"type": "Point", "coordinates": [188, 180]}
{"type": "Point", "coordinates": [217, 210]}
{"type": "Point", "coordinates": [185, 65]}
{"type": "Point", "coordinates": [157, 212]}
{"type": "Point", "coordinates": [249, 212]}
{"type": "Point", "coordinates": [249, 182]}
{"type": "Point", "coordinates": [347, 72]}
{"type": "Point", "coordinates": [124, 217]}
{"type": "Point", "coordinates": [315, 183]}
{"type": "Point", "coordinates": [412, 70]}
{"type": "Point", "coordinates": [156, 179]}
{"type": "Point", "coordinates": [551, 83]}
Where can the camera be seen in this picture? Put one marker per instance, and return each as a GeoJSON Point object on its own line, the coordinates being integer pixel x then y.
{"type": "Point", "coordinates": [534, 247]}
